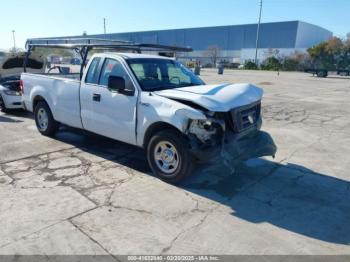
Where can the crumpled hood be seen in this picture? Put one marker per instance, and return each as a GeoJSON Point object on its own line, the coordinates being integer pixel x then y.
{"type": "Point", "coordinates": [11, 82]}
{"type": "Point", "coordinates": [13, 65]}
{"type": "Point", "coordinates": [216, 98]}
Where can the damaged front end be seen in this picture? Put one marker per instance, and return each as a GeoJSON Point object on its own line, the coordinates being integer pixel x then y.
{"type": "Point", "coordinates": [232, 136]}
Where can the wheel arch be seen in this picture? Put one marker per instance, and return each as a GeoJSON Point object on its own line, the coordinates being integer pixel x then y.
{"type": "Point", "coordinates": [155, 128]}
{"type": "Point", "coordinates": [37, 99]}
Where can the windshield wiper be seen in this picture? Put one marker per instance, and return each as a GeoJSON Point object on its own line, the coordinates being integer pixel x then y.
{"type": "Point", "coordinates": [159, 88]}
{"type": "Point", "coordinates": [163, 87]}
{"type": "Point", "coordinates": [190, 84]}
{"type": "Point", "coordinates": [172, 86]}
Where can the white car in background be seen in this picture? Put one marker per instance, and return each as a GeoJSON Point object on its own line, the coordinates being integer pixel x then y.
{"type": "Point", "coordinates": [10, 84]}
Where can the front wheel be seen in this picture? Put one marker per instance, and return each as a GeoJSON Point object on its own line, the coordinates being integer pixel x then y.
{"type": "Point", "coordinates": [44, 120]}
{"type": "Point", "coordinates": [169, 156]}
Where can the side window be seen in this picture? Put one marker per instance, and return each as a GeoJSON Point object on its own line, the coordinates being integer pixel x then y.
{"type": "Point", "coordinates": [92, 74]}
{"type": "Point", "coordinates": [113, 67]}
{"type": "Point", "coordinates": [110, 66]}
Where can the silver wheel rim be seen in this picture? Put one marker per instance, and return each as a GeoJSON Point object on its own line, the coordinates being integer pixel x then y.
{"type": "Point", "coordinates": [43, 119]}
{"type": "Point", "coordinates": [166, 157]}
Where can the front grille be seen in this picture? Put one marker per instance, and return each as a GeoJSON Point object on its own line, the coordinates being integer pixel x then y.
{"type": "Point", "coordinates": [243, 118]}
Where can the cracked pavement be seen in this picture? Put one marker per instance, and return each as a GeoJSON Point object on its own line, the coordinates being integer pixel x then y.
{"type": "Point", "coordinates": [83, 194]}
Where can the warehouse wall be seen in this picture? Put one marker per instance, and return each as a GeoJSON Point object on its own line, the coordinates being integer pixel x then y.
{"type": "Point", "coordinates": [276, 35]}
{"type": "Point", "coordinates": [309, 35]}
{"type": "Point", "coordinates": [236, 42]}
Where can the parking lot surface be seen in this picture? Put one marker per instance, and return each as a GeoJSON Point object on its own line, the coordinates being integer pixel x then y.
{"type": "Point", "coordinates": [80, 193]}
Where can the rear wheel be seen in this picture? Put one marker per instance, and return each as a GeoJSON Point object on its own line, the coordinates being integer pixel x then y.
{"type": "Point", "coordinates": [169, 156]}
{"type": "Point", "coordinates": [2, 105]}
{"type": "Point", "coordinates": [44, 120]}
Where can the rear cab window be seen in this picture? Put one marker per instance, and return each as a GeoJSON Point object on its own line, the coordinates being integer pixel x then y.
{"type": "Point", "coordinates": [93, 72]}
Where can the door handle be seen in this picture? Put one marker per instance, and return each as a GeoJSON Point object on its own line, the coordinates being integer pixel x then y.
{"type": "Point", "coordinates": [145, 104]}
{"type": "Point", "coordinates": [96, 97]}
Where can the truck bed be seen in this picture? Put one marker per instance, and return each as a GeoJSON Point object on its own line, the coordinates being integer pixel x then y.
{"type": "Point", "coordinates": [59, 91]}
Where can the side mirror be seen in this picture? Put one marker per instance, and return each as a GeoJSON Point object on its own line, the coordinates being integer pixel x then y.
{"type": "Point", "coordinates": [116, 83]}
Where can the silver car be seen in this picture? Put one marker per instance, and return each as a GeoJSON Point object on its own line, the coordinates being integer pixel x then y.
{"type": "Point", "coordinates": [10, 84]}
{"type": "Point", "coordinates": [10, 93]}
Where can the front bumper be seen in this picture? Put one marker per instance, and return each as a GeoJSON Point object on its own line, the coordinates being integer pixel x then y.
{"type": "Point", "coordinates": [238, 149]}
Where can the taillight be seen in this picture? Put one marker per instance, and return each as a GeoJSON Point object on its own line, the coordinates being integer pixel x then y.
{"type": "Point", "coordinates": [21, 85]}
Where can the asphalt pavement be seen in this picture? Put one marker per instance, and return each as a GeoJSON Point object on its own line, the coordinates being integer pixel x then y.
{"type": "Point", "coordinates": [79, 193]}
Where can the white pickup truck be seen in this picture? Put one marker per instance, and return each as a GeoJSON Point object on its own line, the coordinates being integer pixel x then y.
{"type": "Point", "coordinates": [155, 103]}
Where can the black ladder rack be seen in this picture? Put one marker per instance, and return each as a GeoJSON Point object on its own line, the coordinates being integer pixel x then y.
{"type": "Point", "coordinates": [100, 43]}
{"type": "Point", "coordinates": [84, 45]}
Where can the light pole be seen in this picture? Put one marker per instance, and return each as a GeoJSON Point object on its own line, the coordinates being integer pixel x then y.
{"type": "Point", "coordinates": [104, 25]}
{"type": "Point", "coordinates": [14, 41]}
{"type": "Point", "coordinates": [258, 33]}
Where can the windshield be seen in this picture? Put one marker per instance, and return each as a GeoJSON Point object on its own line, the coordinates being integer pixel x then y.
{"type": "Point", "coordinates": [158, 74]}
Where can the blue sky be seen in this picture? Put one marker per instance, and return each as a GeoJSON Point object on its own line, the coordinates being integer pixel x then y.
{"type": "Point", "coordinates": [43, 18]}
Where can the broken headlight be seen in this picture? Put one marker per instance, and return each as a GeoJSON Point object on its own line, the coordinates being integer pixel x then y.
{"type": "Point", "coordinates": [203, 124]}
{"type": "Point", "coordinates": [202, 129]}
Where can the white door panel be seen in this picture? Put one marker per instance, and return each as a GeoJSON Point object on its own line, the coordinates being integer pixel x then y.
{"type": "Point", "coordinates": [108, 113]}
{"type": "Point", "coordinates": [114, 115]}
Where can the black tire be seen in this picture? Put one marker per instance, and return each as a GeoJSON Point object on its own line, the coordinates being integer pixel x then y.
{"type": "Point", "coordinates": [52, 125]}
{"type": "Point", "coordinates": [185, 159]}
{"type": "Point", "coordinates": [322, 74]}
{"type": "Point", "coordinates": [2, 105]}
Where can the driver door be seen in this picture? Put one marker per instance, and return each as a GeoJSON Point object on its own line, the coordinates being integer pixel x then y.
{"type": "Point", "coordinates": [107, 112]}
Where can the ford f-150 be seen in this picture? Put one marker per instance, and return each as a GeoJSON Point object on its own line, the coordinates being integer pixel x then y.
{"type": "Point", "coordinates": [155, 103]}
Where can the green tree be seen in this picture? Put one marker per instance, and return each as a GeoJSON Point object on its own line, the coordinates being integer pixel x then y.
{"type": "Point", "coordinates": [249, 65]}
{"type": "Point", "coordinates": [320, 55]}
{"type": "Point", "coordinates": [344, 59]}
{"type": "Point", "coordinates": [271, 63]}
{"type": "Point", "coordinates": [331, 54]}
{"type": "Point", "coordinates": [290, 64]}
{"type": "Point", "coordinates": [303, 59]}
